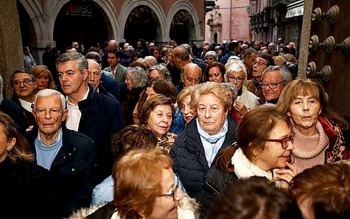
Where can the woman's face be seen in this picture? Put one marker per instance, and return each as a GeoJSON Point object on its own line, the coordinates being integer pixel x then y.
{"type": "Point", "coordinates": [160, 120]}
{"type": "Point", "coordinates": [214, 74]}
{"type": "Point", "coordinates": [185, 107]}
{"type": "Point", "coordinates": [211, 113]}
{"type": "Point", "coordinates": [208, 59]}
{"type": "Point", "coordinates": [165, 206]}
{"type": "Point", "coordinates": [273, 155]}
{"type": "Point", "coordinates": [128, 81]}
{"type": "Point", "coordinates": [5, 144]}
{"type": "Point", "coordinates": [304, 111]}
{"type": "Point", "coordinates": [236, 78]}
{"type": "Point", "coordinates": [42, 81]}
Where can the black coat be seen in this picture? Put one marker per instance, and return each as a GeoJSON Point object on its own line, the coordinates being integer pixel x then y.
{"type": "Point", "coordinates": [73, 172]}
{"type": "Point", "coordinates": [190, 163]}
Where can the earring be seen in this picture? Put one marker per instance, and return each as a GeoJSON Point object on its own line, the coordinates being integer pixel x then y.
{"type": "Point", "coordinates": [9, 149]}
{"type": "Point", "coordinates": [256, 158]}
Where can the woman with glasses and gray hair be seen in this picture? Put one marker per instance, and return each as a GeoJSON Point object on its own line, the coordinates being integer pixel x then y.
{"type": "Point", "coordinates": [236, 73]}
{"type": "Point", "coordinates": [263, 148]}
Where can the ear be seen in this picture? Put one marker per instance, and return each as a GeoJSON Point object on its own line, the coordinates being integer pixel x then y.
{"type": "Point", "coordinates": [142, 213]}
{"type": "Point", "coordinates": [64, 115]}
{"type": "Point", "coordinates": [85, 75]}
{"type": "Point", "coordinates": [254, 151]}
{"type": "Point", "coordinates": [320, 111]}
{"type": "Point", "coordinates": [11, 143]}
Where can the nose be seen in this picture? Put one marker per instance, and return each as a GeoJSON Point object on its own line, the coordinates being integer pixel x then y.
{"type": "Point", "coordinates": [187, 110]}
{"type": "Point", "coordinates": [305, 105]}
{"type": "Point", "coordinates": [207, 113]}
{"type": "Point", "coordinates": [290, 146]}
{"type": "Point", "coordinates": [47, 114]}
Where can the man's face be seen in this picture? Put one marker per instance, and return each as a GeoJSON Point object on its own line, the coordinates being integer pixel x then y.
{"type": "Point", "coordinates": [259, 65]}
{"type": "Point", "coordinates": [94, 73]}
{"type": "Point", "coordinates": [272, 85]}
{"type": "Point", "coordinates": [112, 59]}
{"type": "Point", "coordinates": [23, 86]}
{"type": "Point", "coordinates": [191, 76]}
{"type": "Point", "coordinates": [49, 114]}
{"type": "Point", "coordinates": [248, 61]}
{"type": "Point", "coordinates": [75, 45]}
{"type": "Point", "coordinates": [72, 80]}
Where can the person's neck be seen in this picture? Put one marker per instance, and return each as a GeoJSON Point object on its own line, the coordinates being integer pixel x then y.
{"type": "Point", "coordinates": [78, 96]}
{"type": "Point", "coordinates": [307, 131]}
{"type": "Point", "coordinates": [48, 139]}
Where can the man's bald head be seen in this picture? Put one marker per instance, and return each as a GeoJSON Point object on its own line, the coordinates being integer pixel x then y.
{"type": "Point", "coordinates": [112, 45]}
{"type": "Point", "coordinates": [191, 74]}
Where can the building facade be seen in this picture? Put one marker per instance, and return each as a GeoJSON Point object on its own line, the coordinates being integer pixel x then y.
{"type": "Point", "coordinates": [92, 22]}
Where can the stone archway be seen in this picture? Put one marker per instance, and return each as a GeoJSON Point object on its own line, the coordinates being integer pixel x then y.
{"type": "Point", "coordinates": [142, 23]}
{"type": "Point", "coordinates": [82, 22]}
{"type": "Point", "coordinates": [193, 28]}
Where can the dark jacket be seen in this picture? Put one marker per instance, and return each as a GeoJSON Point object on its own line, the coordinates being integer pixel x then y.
{"type": "Point", "coordinates": [101, 117]}
{"type": "Point", "coordinates": [73, 172]}
{"type": "Point", "coordinates": [215, 181]}
{"type": "Point", "coordinates": [110, 85]}
{"type": "Point", "coordinates": [24, 190]}
{"type": "Point", "coordinates": [190, 163]}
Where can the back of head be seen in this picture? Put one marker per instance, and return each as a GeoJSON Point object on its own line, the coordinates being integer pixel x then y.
{"type": "Point", "coordinates": [132, 137]}
{"type": "Point", "coordinates": [323, 191]}
{"type": "Point", "coordinates": [255, 197]}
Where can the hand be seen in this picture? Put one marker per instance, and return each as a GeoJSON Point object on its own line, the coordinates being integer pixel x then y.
{"type": "Point", "coordinates": [241, 108]}
{"type": "Point", "coordinates": [286, 175]}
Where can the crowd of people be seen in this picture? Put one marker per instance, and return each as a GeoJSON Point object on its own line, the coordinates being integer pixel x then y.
{"type": "Point", "coordinates": [175, 131]}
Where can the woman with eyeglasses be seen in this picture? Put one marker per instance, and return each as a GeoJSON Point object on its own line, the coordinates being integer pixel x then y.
{"type": "Point", "coordinates": [263, 148]}
{"type": "Point", "coordinates": [236, 73]}
{"type": "Point", "coordinates": [319, 131]}
{"type": "Point", "coordinates": [146, 187]}
{"type": "Point", "coordinates": [214, 72]}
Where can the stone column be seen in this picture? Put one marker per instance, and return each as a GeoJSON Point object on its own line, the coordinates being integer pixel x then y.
{"type": "Point", "coordinates": [11, 52]}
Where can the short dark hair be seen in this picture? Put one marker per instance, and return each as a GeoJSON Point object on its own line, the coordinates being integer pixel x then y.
{"type": "Point", "coordinates": [254, 197]}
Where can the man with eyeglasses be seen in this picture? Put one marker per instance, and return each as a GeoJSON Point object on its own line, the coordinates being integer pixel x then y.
{"type": "Point", "coordinates": [274, 78]}
{"type": "Point", "coordinates": [20, 106]}
{"type": "Point", "coordinates": [260, 63]}
{"type": "Point", "coordinates": [69, 156]}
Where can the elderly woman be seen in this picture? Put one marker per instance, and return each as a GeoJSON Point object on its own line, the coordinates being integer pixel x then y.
{"type": "Point", "coordinates": [183, 112]}
{"type": "Point", "coordinates": [236, 74]}
{"type": "Point", "coordinates": [157, 114]}
{"type": "Point", "coordinates": [215, 71]}
{"type": "Point", "coordinates": [43, 77]}
{"type": "Point", "coordinates": [196, 147]}
{"type": "Point", "coordinates": [145, 187]}
{"type": "Point", "coordinates": [210, 56]}
{"type": "Point", "coordinates": [318, 130]}
{"type": "Point", "coordinates": [159, 71]}
{"type": "Point", "coordinates": [136, 80]}
{"type": "Point", "coordinates": [263, 148]}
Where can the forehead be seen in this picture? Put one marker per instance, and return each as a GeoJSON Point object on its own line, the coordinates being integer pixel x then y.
{"type": "Point", "coordinates": [69, 65]}
{"type": "Point", "coordinates": [21, 75]}
{"type": "Point", "coordinates": [165, 108]}
{"type": "Point", "coordinates": [192, 72]}
{"type": "Point", "coordinates": [272, 76]}
{"type": "Point", "coordinates": [236, 73]}
{"type": "Point", "coordinates": [52, 100]}
{"type": "Point", "coordinates": [93, 65]}
{"type": "Point", "coordinates": [258, 59]}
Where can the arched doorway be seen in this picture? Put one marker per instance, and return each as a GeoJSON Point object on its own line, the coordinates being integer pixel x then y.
{"type": "Point", "coordinates": [179, 29]}
{"type": "Point", "coordinates": [82, 21]}
{"type": "Point", "coordinates": [27, 29]}
{"type": "Point", "coordinates": [142, 23]}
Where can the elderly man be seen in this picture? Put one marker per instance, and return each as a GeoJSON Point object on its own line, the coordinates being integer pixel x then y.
{"type": "Point", "coordinates": [20, 107]}
{"type": "Point", "coordinates": [98, 79]}
{"type": "Point", "coordinates": [190, 75]}
{"type": "Point", "coordinates": [274, 78]}
{"type": "Point", "coordinates": [69, 156]}
{"type": "Point", "coordinates": [96, 115]}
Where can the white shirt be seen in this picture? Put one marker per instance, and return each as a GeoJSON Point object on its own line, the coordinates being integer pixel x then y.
{"type": "Point", "coordinates": [74, 114]}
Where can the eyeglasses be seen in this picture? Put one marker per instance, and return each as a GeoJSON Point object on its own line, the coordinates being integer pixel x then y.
{"type": "Point", "coordinates": [25, 81]}
{"type": "Point", "coordinates": [271, 85]}
{"type": "Point", "coordinates": [284, 141]}
{"type": "Point", "coordinates": [259, 63]}
{"type": "Point", "coordinates": [232, 78]}
{"type": "Point", "coordinates": [214, 75]}
{"type": "Point", "coordinates": [173, 190]}
{"type": "Point", "coordinates": [52, 112]}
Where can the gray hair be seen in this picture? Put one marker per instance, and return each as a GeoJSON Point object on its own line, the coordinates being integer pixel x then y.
{"type": "Point", "coordinates": [236, 66]}
{"type": "Point", "coordinates": [138, 76]}
{"type": "Point", "coordinates": [211, 53]}
{"type": "Point", "coordinates": [76, 56]}
{"type": "Point", "coordinates": [284, 72]}
{"type": "Point", "coordinates": [162, 69]}
{"type": "Point", "coordinates": [48, 93]}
